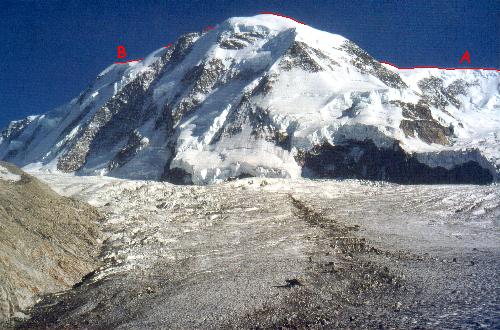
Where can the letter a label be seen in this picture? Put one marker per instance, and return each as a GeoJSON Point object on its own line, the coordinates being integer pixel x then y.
{"type": "Point", "coordinates": [122, 53]}
{"type": "Point", "coordinates": [465, 57]}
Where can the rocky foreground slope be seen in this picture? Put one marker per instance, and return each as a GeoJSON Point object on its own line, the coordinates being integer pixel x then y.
{"type": "Point", "coordinates": [267, 96]}
{"type": "Point", "coordinates": [47, 242]}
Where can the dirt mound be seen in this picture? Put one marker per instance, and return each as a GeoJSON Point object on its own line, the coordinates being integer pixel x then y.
{"type": "Point", "coordinates": [47, 242]}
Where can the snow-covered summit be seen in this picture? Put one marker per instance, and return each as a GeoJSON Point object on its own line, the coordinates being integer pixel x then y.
{"type": "Point", "coordinates": [268, 96]}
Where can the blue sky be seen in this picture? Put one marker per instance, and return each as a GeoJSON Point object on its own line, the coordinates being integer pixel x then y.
{"type": "Point", "coordinates": [50, 50]}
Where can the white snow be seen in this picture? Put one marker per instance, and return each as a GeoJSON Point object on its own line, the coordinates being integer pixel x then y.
{"type": "Point", "coordinates": [6, 175]}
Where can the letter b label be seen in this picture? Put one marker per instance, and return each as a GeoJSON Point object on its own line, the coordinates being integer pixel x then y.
{"type": "Point", "coordinates": [122, 53]}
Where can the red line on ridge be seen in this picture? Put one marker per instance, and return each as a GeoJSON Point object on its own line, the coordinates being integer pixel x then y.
{"type": "Point", "coordinates": [436, 67]}
{"type": "Point", "coordinates": [167, 46]}
{"type": "Point", "coordinates": [279, 15]}
{"type": "Point", "coordinates": [136, 60]}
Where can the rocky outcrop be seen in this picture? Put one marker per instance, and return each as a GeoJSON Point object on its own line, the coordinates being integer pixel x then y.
{"type": "Point", "coordinates": [363, 61]}
{"type": "Point", "coordinates": [299, 56]}
{"type": "Point", "coordinates": [134, 144]}
{"type": "Point", "coordinates": [183, 46]}
{"type": "Point", "coordinates": [15, 128]}
{"type": "Point", "coordinates": [199, 81]}
{"type": "Point", "coordinates": [440, 96]}
{"type": "Point", "coordinates": [418, 122]}
{"type": "Point", "coordinates": [47, 243]}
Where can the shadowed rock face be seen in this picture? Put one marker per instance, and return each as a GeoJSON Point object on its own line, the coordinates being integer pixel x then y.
{"type": "Point", "coordinates": [12, 132]}
{"type": "Point", "coordinates": [363, 160]}
{"type": "Point", "coordinates": [184, 46]}
{"type": "Point", "coordinates": [134, 144]}
{"type": "Point", "coordinates": [47, 242]}
{"type": "Point", "coordinates": [200, 80]}
{"type": "Point", "coordinates": [15, 129]}
{"type": "Point", "coordinates": [177, 176]}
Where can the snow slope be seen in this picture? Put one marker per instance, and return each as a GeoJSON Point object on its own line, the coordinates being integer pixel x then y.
{"type": "Point", "coordinates": [7, 175]}
{"type": "Point", "coordinates": [263, 96]}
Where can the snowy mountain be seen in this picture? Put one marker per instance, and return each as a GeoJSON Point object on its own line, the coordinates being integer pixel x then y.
{"type": "Point", "coordinates": [267, 96]}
